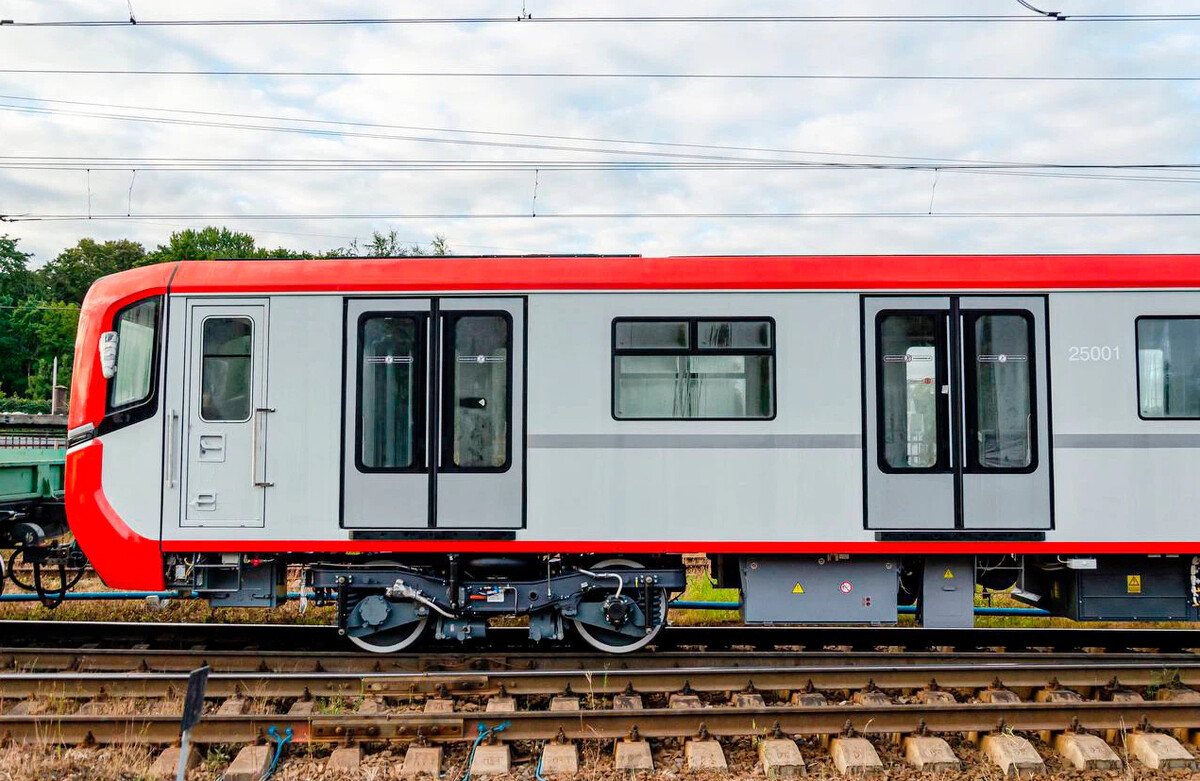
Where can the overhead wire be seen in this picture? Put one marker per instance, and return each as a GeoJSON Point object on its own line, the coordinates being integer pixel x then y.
{"type": "Point", "coordinates": [49, 217]}
{"type": "Point", "coordinates": [940, 161]}
{"type": "Point", "coordinates": [660, 75]}
{"type": "Point", "coordinates": [530, 20]}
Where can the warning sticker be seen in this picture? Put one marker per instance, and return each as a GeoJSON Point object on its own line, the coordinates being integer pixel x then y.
{"type": "Point", "coordinates": [798, 589]}
{"type": "Point", "coordinates": [949, 575]}
{"type": "Point", "coordinates": [846, 587]}
{"type": "Point", "coordinates": [1133, 584]}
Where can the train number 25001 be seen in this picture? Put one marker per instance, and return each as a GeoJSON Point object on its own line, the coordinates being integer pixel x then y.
{"type": "Point", "coordinates": [1094, 353]}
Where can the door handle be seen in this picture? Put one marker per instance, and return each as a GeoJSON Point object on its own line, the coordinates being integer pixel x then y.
{"type": "Point", "coordinates": [172, 416]}
{"type": "Point", "coordinates": [256, 424]}
{"type": "Point", "coordinates": [206, 500]}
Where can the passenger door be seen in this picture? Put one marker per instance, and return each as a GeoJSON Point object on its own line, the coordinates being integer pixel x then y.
{"type": "Point", "coordinates": [957, 409]}
{"type": "Point", "coordinates": [224, 438]}
{"type": "Point", "coordinates": [434, 414]}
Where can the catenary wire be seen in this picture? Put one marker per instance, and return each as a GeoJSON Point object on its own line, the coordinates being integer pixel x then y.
{"type": "Point", "coordinates": [538, 136]}
{"type": "Point", "coordinates": [527, 19]}
{"type": "Point", "coordinates": [50, 217]}
{"type": "Point", "coordinates": [595, 75]}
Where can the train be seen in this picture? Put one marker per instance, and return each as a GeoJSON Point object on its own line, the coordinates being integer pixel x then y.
{"type": "Point", "coordinates": [438, 443]}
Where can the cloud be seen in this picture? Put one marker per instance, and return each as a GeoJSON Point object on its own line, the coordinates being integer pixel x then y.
{"type": "Point", "coordinates": [1022, 121]}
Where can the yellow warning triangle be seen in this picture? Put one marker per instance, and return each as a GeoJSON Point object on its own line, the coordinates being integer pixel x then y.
{"type": "Point", "coordinates": [949, 575]}
{"type": "Point", "coordinates": [798, 589]}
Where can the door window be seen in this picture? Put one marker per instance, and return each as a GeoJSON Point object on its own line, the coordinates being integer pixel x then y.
{"type": "Point", "coordinates": [910, 408]}
{"type": "Point", "coordinates": [999, 374]}
{"type": "Point", "coordinates": [390, 392]}
{"type": "Point", "coordinates": [225, 385]}
{"type": "Point", "coordinates": [478, 408]}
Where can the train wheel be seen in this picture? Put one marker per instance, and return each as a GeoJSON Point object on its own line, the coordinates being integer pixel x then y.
{"type": "Point", "coordinates": [381, 626]}
{"type": "Point", "coordinates": [619, 627]}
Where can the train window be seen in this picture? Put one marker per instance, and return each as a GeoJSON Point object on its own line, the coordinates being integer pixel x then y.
{"type": "Point", "coordinates": [389, 392]}
{"type": "Point", "coordinates": [225, 384]}
{"type": "Point", "coordinates": [1168, 360]}
{"type": "Point", "coordinates": [909, 414]}
{"type": "Point", "coordinates": [137, 343]}
{"type": "Point", "coordinates": [708, 369]}
{"type": "Point", "coordinates": [651, 334]}
{"type": "Point", "coordinates": [1000, 422]}
{"type": "Point", "coordinates": [477, 407]}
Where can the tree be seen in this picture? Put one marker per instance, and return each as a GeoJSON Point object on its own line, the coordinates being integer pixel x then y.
{"type": "Point", "coordinates": [389, 245]}
{"type": "Point", "coordinates": [214, 243]}
{"type": "Point", "coordinates": [68, 276]}
{"type": "Point", "coordinates": [16, 280]}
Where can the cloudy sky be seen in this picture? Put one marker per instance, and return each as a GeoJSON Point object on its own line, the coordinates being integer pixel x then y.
{"type": "Point", "coordinates": [713, 147]}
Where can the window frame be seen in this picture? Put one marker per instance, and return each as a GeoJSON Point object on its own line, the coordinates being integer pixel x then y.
{"type": "Point", "coordinates": [137, 410]}
{"type": "Point", "coordinates": [971, 464]}
{"type": "Point", "coordinates": [693, 349]}
{"type": "Point", "coordinates": [941, 378]}
{"type": "Point", "coordinates": [1137, 367]}
{"type": "Point", "coordinates": [446, 402]}
{"type": "Point", "coordinates": [420, 459]}
{"type": "Point", "coordinates": [204, 355]}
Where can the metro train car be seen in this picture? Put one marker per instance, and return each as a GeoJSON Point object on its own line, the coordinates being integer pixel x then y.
{"type": "Point", "coordinates": [439, 442]}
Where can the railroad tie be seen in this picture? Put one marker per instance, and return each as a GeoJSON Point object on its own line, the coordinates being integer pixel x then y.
{"type": "Point", "coordinates": [1159, 752]}
{"type": "Point", "coordinates": [560, 759]}
{"type": "Point", "coordinates": [1086, 752]}
{"type": "Point", "coordinates": [166, 763]}
{"type": "Point", "coordinates": [250, 764]}
{"type": "Point", "coordinates": [929, 753]}
{"type": "Point", "coordinates": [854, 756]}
{"type": "Point", "coordinates": [1013, 754]}
{"type": "Point", "coordinates": [345, 759]}
{"type": "Point", "coordinates": [705, 754]}
{"type": "Point", "coordinates": [781, 758]}
{"type": "Point", "coordinates": [489, 760]}
{"type": "Point", "coordinates": [633, 755]}
{"type": "Point", "coordinates": [422, 761]}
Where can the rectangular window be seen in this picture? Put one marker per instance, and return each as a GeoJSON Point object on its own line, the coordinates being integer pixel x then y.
{"type": "Point", "coordinates": [137, 346]}
{"type": "Point", "coordinates": [1168, 360]}
{"type": "Point", "coordinates": [390, 382]}
{"type": "Point", "coordinates": [694, 368]}
{"type": "Point", "coordinates": [912, 407]}
{"type": "Point", "coordinates": [226, 388]}
{"type": "Point", "coordinates": [999, 374]}
{"type": "Point", "coordinates": [478, 412]}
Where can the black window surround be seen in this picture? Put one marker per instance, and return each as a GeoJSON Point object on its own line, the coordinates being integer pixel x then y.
{"type": "Point", "coordinates": [449, 319]}
{"type": "Point", "coordinates": [973, 464]}
{"type": "Point", "coordinates": [692, 349]}
{"type": "Point", "coordinates": [419, 463]}
{"type": "Point", "coordinates": [1137, 349]}
{"type": "Point", "coordinates": [119, 416]}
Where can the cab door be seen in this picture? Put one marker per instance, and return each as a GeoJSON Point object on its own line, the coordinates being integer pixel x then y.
{"type": "Point", "coordinates": [224, 438]}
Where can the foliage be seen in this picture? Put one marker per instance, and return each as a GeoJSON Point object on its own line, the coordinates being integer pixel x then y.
{"type": "Point", "coordinates": [31, 406]}
{"type": "Point", "coordinates": [68, 276]}
{"type": "Point", "coordinates": [389, 245]}
{"type": "Point", "coordinates": [216, 243]}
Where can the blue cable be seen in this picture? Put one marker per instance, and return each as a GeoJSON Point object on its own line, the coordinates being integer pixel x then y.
{"type": "Point", "coordinates": [280, 742]}
{"type": "Point", "coordinates": [537, 772]}
{"type": "Point", "coordinates": [484, 733]}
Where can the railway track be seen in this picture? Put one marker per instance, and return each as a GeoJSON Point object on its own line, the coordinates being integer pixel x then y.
{"type": "Point", "coordinates": [842, 706]}
{"type": "Point", "coordinates": [296, 637]}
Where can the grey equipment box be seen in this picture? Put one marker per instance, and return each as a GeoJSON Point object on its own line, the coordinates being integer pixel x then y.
{"type": "Point", "coordinates": [825, 590]}
{"type": "Point", "coordinates": [1129, 588]}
